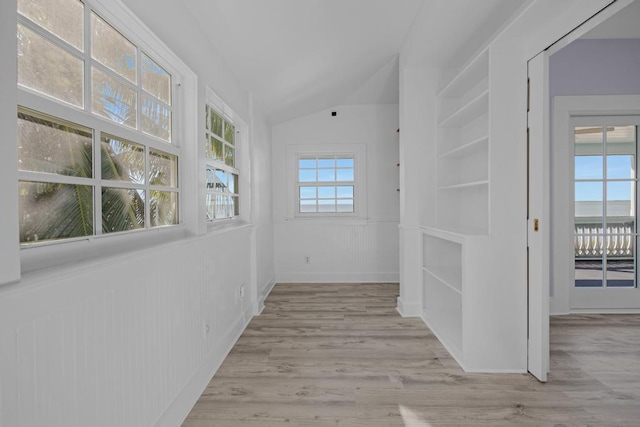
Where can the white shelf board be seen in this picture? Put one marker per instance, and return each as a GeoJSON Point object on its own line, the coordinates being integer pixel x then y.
{"type": "Point", "coordinates": [464, 185]}
{"type": "Point", "coordinates": [467, 149]}
{"type": "Point", "coordinates": [451, 277]}
{"type": "Point", "coordinates": [469, 111]}
{"type": "Point", "coordinates": [469, 76]}
{"type": "Point", "coordinates": [458, 235]}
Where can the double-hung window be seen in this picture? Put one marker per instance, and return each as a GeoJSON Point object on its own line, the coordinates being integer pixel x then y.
{"type": "Point", "coordinates": [96, 151]}
{"type": "Point", "coordinates": [222, 194]}
{"type": "Point", "coordinates": [326, 184]}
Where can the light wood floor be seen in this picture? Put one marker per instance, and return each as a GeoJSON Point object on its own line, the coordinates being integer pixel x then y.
{"type": "Point", "coordinates": [329, 354]}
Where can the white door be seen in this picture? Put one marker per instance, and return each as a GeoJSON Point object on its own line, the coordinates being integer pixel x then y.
{"type": "Point", "coordinates": [538, 221]}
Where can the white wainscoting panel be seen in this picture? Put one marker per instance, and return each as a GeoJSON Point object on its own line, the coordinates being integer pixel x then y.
{"type": "Point", "coordinates": [116, 342]}
{"type": "Point", "coordinates": [366, 252]}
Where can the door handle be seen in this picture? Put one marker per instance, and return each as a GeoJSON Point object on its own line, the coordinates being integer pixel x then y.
{"type": "Point", "coordinates": [536, 224]}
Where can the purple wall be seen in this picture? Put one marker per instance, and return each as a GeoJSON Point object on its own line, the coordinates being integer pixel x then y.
{"type": "Point", "coordinates": [596, 67]}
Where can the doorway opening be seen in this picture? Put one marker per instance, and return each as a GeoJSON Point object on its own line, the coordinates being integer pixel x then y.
{"type": "Point", "coordinates": [585, 80]}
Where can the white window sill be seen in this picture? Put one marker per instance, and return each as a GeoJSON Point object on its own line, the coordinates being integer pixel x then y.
{"type": "Point", "coordinates": [226, 225]}
{"type": "Point", "coordinates": [40, 264]}
{"type": "Point", "coordinates": [328, 220]}
{"type": "Point", "coordinates": [62, 253]}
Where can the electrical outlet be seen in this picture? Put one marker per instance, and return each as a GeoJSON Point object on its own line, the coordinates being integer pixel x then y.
{"type": "Point", "coordinates": [307, 259]}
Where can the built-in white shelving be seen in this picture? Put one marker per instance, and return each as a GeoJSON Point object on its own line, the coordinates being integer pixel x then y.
{"type": "Point", "coordinates": [464, 185]}
{"type": "Point", "coordinates": [467, 112]}
{"type": "Point", "coordinates": [448, 276]}
{"type": "Point", "coordinates": [463, 149]}
{"type": "Point", "coordinates": [479, 145]}
{"type": "Point", "coordinates": [443, 286]}
{"type": "Point", "coordinates": [450, 248]}
{"type": "Point", "coordinates": [468, 76]}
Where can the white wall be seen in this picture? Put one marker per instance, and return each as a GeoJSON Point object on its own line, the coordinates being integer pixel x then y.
{"type": "Point", "coordinates": [350, 250]}
{"type": "Point", "coordinates": [596, 67]}
{"type": "Point", "coordinates": [121, 340]}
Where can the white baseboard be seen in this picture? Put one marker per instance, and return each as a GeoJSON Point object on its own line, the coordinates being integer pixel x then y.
{"type": "Point", "coordinates": [408, 309]}
{"type": "Point", "coordinates": [472, 370]}
{"type": "Point", "coordinates": [177, 412]}
{"type": "Point", "coordinates": [371, 277]}
{"type": "Point", "coordinates": [262, 295]}
{"type": "Point", "coordinates": [555, 309]}
{"type": "Point", "coordinates": [604, 311]}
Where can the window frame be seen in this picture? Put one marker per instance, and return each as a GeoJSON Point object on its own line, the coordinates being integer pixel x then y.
{"type": "Point", "coordinates": [215, 103]}
{"type": "Point", "coordinates": [30, 100]}
{"type": "Point", "coordinates": [297, 151]}
{"type": "Point", "coordinates": [183, 99]}
{"type": "Point", "coordinates": [319, 184]}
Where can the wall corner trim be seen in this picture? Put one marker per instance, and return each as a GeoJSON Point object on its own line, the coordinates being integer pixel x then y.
{"type": "Point", "coordinates": [408, 309]}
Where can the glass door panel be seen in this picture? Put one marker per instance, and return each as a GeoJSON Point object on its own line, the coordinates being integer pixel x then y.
{"type": "Point", "coordinates": [605, 206]}
{"type": "Point", "coordinates": [589, 232]}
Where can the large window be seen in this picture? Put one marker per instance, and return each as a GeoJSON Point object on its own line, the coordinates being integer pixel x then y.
{"type": "Point", "coordinates": [326, 184]}
{"type": "Point", "coordinates": [221, 172]}
{"type": "Point", "coordinates": [96, 153]}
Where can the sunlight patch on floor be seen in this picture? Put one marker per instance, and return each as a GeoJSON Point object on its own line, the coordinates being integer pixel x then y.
{"type": "Point", "coordinates": [412, 418]}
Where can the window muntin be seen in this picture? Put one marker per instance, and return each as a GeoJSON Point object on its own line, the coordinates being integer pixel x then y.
{"type": "Point", "coordinates": [326, 184]}
{"type": "Point", "coordinates": [122, 160]}
{"type": "Point", "coordinates": [78, 176]}
{"type": "Point", "coordinates": [163, 207]}
{"type": "Point", "coordinates": [62, 18]}
{"type": "Point", "coordinates": [122, 209]}
{"type": "Point", "coordinates": [51, 211]}
{"type": "Point", "coordinates": [112, 49]}
{"type": "Point", "coordinates": [155, 118]}
{"type": "Point", "coordinates": [112, 99]}
{"type": "Point", "coordinates": [222, 194]}
{"type": "Point", "coordinates": [220, 137]}
{"type": "Point", "coordinates": [163, 169]}
{"type": "Point", "coordinates": [50, 65]}
{"type": "Point", "coordinates": [156, 80]}
{"type": "Point", "coordinates": [49, 69]}
{"type": "Point", "coordinates": [156, 99]}
{"type": "Point", "coordinates": [68, 151]}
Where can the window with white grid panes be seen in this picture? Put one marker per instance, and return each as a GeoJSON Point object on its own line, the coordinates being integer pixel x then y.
{"type": "Point", "coordinates": [222, 195]}
{"type": "Point", "coordinates": [326, 184]}
{"type": "Point", "coordinates": [95, 148]}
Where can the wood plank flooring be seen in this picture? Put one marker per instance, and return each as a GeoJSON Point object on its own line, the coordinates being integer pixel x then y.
{"type": "Point", "coordinates": [332, 354]}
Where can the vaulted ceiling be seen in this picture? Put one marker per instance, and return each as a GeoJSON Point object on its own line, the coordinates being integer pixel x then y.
{"type": "Point", "coordinates": [301, 56]}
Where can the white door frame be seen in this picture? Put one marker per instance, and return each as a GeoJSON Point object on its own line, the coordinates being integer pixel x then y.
{"type": "Point", "coordinates": [566, 299]}
{"type": "Point", "coordinates": [538, 313]}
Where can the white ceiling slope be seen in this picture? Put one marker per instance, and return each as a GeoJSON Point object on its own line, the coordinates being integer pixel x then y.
{"type": "Point", "coordinates": [447, 32]}
{"type": "Point", "coordinates": [301, 56]}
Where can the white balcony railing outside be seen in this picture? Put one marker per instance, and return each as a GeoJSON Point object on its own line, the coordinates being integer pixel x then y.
{"type": "Point", "coordinates": [591, 240]}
